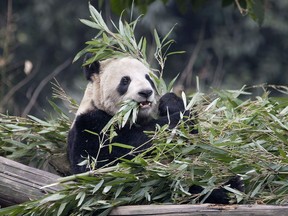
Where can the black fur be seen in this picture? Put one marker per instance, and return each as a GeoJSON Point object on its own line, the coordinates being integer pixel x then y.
{"type": "Point", "coordinates": [123, 85]}
{"type": "Point", "coordinates": [165, 104]}
{"type": "Point", "coordinates": [150, 81]}
{"type": "Point", "coordinates": [89, 70]}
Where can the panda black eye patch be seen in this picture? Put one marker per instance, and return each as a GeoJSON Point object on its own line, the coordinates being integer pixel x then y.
{"type": "Point", "coordinates": [123, 85]}
{"type": "Point", "coordinates": [150, 81]}
{"type": "Point", "coordinates": [125, 80]}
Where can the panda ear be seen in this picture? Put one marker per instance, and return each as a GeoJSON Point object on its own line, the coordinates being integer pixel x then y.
{"type": "Point", "coordinates": [91, 69]}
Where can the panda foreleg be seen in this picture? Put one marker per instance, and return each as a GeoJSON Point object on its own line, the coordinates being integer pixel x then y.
{"type": "Point", "coordinates": [170, 106]}
{"type": "Point", "coordinates": [84, 137]}
{"type": "Point", "coordinates": [170, 103]}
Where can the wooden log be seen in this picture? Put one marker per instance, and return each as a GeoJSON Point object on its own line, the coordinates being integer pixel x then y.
{"type": "Point", "coordinates": [203, 210]}
{"type": "Point", "coordinates": [20, 183]}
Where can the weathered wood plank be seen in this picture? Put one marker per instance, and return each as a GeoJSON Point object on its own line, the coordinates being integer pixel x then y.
{"type": "Point", "coordinates": [202, 210]}
{"type": "Point", "coordinates": [20, 183]}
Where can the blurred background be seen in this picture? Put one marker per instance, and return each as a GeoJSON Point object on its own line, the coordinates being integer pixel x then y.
{"type": "Point", "coordinates": [39, 39]}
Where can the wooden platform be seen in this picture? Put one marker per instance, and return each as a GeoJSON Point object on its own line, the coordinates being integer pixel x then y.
{"type": "Point", "coordinates": [202, 210]}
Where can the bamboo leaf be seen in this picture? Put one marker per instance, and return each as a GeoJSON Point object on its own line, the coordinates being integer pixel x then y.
{"type": "Point", "coordinates": [106, 189]}
{"type": "Point", "coordinates": [256, 190]}
{"type": "Point", "coordinates": [212, 104]}
{"type": "Point", "coordinates": [121, 28]}
{"type": "Point", "coordinates": [175, 53]}
{"type": "Point", "coordinates": [61, 208]}
{"type": "Point", "coordinates": [98, 186]}
{"type": "Point", "coordinates": [157, 39]}
{"type": "Point", "coordinates": [51, 198]}
{"type": "Point", "coordinates": [97, 17]}
{"type": "Point", "coordinates": [196, 98]}
{"type": "Point", "coordinates": [143, 48]}
{"type": "Point", "coordinates": [171, 84]}
{"type": "Point", "coordinates": [81, 196]}
{"type": "Point", "coordinates": [168, 34]}
{"type": "Point", "coordinates": [90, 23]}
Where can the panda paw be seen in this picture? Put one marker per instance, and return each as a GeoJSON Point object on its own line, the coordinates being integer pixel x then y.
{"type": "Point", "coordinates": [170, 102]}
{"type": "Point", "coordinates": [236, 183]}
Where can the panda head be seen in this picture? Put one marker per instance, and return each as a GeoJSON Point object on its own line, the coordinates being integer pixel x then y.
{"type": "Point", "coordinates": [113, 81]}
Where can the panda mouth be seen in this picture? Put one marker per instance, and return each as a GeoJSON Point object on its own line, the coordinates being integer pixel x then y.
{"type": "Point", "coordinates": [145, 104]}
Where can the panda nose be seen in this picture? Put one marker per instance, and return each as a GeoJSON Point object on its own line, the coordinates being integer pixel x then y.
{"type": "Point", "coordinates": [145, 93]}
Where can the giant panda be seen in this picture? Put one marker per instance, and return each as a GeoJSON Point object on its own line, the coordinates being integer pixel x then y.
{"type": "Point", "coordinates": [110, 83]}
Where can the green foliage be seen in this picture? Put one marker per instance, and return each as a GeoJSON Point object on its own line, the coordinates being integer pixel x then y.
{"type": "Point", "coordinates": [236, 136]}
{"type": "Point", "coordinates": [32, 140]}
{"type": "Point", "coordinates": [108, 44]}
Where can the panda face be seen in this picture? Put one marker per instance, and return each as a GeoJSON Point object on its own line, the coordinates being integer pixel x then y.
{"type": "Point", "coordinates": [125, 79]}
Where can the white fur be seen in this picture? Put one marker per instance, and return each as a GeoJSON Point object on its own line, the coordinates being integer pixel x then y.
{"type": "Point", "coordinates": [103, 88]}
{"type": "Point", "coordinates": [86, 102]}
